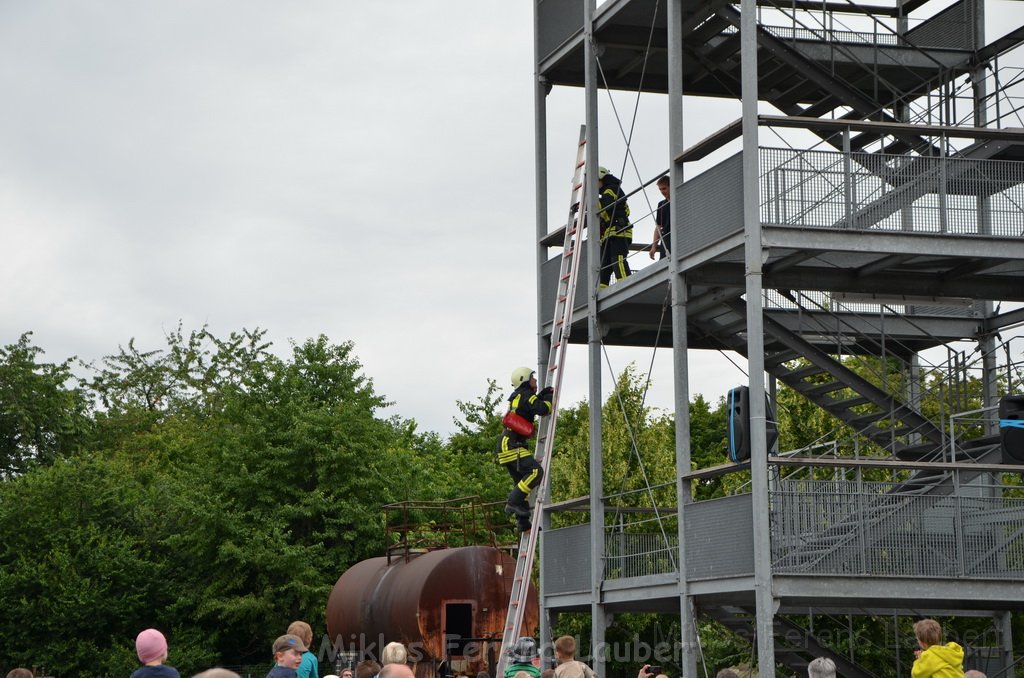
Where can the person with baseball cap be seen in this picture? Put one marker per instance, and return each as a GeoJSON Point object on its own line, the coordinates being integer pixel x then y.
{"type": "Point", "coordinates": [287, 651]}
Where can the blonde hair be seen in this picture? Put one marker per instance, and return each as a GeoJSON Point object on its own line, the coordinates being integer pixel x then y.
{"type": "Point", "coordinates": [928, 632]}
{"type": "Point", "coordinates": [302, 630]}
{"type": "Point", "coordinates": [394, 653]}
{"type": "Point", "coordinates": [521, 674]}
{"type": "Point", "coordinates": [217, 673]}
{"type": "Point", "coordinates": [566, 646]}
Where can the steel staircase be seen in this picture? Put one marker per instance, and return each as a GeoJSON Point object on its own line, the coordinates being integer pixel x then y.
{"type": "Point", "coordinates": [795, 647]}
{"type": "Point", "coordinates": [799, 84]}
{"type": "Point", "coordinates": [869, 410]}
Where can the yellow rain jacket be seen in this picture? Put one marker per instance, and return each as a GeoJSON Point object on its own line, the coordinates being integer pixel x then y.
{"type": "Point", "coordinates": [942, 661]}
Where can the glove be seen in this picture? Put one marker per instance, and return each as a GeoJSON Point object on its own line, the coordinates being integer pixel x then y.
{"type": "Point", "coordinates": [575, 208]}
{"type": "Point", "coordinates": [547, 393]}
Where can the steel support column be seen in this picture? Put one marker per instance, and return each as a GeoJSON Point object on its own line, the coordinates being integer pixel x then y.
{"type": "Point", "coordinates": [540, 146]}
{"type": "Point", "coordinates": [755, 343]}
{"type": "Point", "coordinates": [987, 340]}
{"type": "Point", "coordinates": [680, 363]}
{"type": "Point", "coordinates": [540, 169]}
{"type": "Point", "coordinates": [598, 617]}
{"type": "Point", "coordinates": [547, 619]}
{"type": "Point", "coordinates": [1006, 637]}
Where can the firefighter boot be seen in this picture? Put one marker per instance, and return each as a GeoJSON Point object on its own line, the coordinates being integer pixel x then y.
{"type": "Point", "coordinates": [517, 503]}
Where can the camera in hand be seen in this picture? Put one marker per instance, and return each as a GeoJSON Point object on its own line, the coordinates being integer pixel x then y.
{"type": "Point", "coordinates": [653, 670]}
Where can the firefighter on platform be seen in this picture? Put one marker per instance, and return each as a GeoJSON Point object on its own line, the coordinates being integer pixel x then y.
{"type": "Point", "coordinates": [513, 447]}
{"type": "Point", "coordinates": [616, 231]}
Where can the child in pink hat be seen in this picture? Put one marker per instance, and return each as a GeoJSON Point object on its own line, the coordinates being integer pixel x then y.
{"type": "Point", "coordinates": [151, 646]}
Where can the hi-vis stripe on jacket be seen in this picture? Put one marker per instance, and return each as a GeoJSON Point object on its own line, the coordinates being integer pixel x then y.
{"type": "Point", "coordinates": [527, 404]}
{"type": "Point", "coordinates": [614, 214]}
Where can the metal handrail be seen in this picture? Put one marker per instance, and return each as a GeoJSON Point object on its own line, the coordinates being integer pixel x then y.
{"type": "Point", "coordinates": [838, 46]}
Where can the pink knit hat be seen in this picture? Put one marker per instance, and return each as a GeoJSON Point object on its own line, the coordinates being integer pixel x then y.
{"type": "Point", "coordinates": [150, 645]}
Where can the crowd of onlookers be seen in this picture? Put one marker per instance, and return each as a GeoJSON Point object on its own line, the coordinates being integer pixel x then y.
{"type": "Point", "coordinates": [293, 659]}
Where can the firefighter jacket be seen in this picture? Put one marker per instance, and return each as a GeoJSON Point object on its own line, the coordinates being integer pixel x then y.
{"type": "Point", "coordinates": [528, 404]}
{"type": "Point", "coordinates": [614, 215]}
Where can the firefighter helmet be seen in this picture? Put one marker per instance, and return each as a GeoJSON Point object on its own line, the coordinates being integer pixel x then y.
{"type": "Point", "coordinates": [601, 171]}
{"type": "Point", "coordinates": [521, 374]}
{"type": "Point", "coordinates": [523, 651]}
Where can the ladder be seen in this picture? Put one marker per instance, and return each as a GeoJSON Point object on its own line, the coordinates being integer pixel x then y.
{"type": "Point", "coordinates": [567, 277]}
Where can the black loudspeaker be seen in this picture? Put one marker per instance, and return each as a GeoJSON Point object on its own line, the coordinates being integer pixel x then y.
{"type": "Point", "coordinates": [738, 423]}
{"type": "Point", "coordinates": [1011, 428]}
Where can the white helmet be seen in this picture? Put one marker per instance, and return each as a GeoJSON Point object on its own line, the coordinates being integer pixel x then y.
{"type": "Point", "coordinates": [601, 171]}
{"type": "Point", "coordinates": [520, 375]}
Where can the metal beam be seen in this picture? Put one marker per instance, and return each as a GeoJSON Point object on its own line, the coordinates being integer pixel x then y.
{"type": "Point", "coordinates": [822, 278]}
{"type": "Point", "coordinates": [892, 128]}
{"type": "Point", "coordinates": [1002, 321]}
{"type": "Point", "coordinates": [970, 594]}
{"type": "Point", "coordinates": [732, 131]}
{"type": "Point", "coordinates": [861, 462]}
{"type": "Point", "coordinates": [882, 264]}
{"type": "Point", "coordinates": [889, 242]}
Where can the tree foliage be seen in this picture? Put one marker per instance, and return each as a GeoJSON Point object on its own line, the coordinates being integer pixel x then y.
{"type": "Point", "coordinates": [43, 414]}
{"type": "Point", "coordinates": [637, 447]}
{"type": "Point", "coordinates": [225, 492]}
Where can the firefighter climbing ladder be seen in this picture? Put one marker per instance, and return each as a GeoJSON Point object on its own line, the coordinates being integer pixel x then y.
{"type": "Point", "coordinates": [567, 276]}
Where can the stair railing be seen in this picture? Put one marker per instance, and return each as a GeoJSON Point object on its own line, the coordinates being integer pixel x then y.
{"type": "Point", "coordinates": [961, 363]}
{"type": "Point", "coordinates": [840, 48]}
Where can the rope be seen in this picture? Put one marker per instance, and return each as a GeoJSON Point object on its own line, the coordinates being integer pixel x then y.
{"type": "Point", "coordinates": [634, 446]}
{"type": "Point", "coordinates": [628, 138]}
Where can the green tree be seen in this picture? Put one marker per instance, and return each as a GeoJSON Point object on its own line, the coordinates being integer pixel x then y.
{"type": "Point", "coordinates": [227, 490]}
{"type": "Point", "coordinates": [292, 474]}
{"type": "Point", "coordinates": [43, 415]}
{"type": "Point", "coordinates": [84, 563]}
{"type": "Point", "coordinates": [637, 446]}
{"type": "Point", "coordinates": [471, 467]}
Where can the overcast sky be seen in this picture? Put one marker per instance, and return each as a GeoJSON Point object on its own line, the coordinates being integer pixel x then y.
{"type": "Point", "coordinates": [358, 169]}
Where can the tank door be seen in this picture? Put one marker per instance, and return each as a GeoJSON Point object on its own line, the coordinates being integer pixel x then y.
{"type": "Point", "coordinates": [458, 632]}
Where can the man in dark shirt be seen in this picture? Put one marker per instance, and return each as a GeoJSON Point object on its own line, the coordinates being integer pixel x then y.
{"type": "Point", "coordinates": [661, 242]}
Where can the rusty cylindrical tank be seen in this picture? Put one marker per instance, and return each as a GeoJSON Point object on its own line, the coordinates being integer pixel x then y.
{"type": "Point", "coordinates": [457, 593]}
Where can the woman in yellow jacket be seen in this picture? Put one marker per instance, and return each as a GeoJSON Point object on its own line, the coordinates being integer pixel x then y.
{"type": "Point", "coordinates": [934, 659]}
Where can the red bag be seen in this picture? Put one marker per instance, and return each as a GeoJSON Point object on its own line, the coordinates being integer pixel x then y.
{"type": "Point", "coordinates": [513, 422]}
